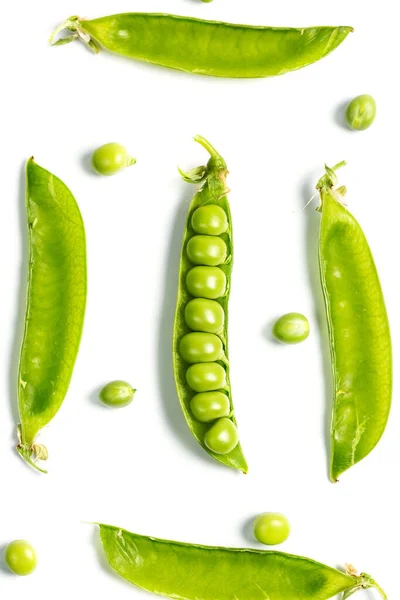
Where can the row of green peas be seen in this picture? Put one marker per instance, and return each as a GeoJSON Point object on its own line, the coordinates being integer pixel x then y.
{"type": "Point", "coordinates": [203, 347]}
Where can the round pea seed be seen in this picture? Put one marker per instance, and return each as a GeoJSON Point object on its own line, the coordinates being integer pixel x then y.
{"type": "Point", "coordinates": [208, 406]}
{"type": "Point", "coordinates": [361, 112]}
{"type": "Point", "coordinates": [206, 282]}
{"type": "Point", "coordinates": [206, 250]}
{"type": "Point", "coordinates": [206, 377]}
{"type": "Point", "coordinates": [198, 347]}
{"type": "Point", "coordinates": [291, 328]}
{"type": "Point", "coordinates": [222, 437]}
{"type": "Point", "coordinates": [210, 220]}
{"type": "Point", "coordinates": [117, 394]}
{"type": "Point", "coordinates": [20, 557]}
{"type": "Point", "coordinates": [271, 528]}
{"type": "Point", "coordinates": [111, 158]}
{"type": "Point", "coordinates": [204, 315]}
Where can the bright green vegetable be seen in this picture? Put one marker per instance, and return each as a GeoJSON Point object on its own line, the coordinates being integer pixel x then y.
{"type": "Point", "coordinates": [55, 304]}
{"type": "Point", "coordinates": [271, 528]}
{"type": "Point", "coordinates": [20, 557]}
{"type": "Point", "coordinates": [359, 332]}
{"type": "Point", "coordinates": [291, 328]}
{"type": "Point", "coordinates": [206, 377]}
{"type": "Point", "coordinates": [361, 112]}
{"type": "Point", "coordinates": [206, 250]}
{"type": "Point", "coordinates": [210, 219]}
{"type": "Point", "coordinates": [205, 47]}
{"type": "Point", "coordinates": [222, 437]}
{"type": "Point", "coordinates": [209, 406]}
{"type": "Point", "coordinates": [192, 572]}
{"type": "Point", "coordinates": [117, 394]}
{"type": "Point", "coordinates": [111, 158]}
{"type": "Point", "coordinates": [206, 313]}
{"type": "Point", "coordinates": [206, 282]}
{"type": "Point", "coordinates": [200, 347]}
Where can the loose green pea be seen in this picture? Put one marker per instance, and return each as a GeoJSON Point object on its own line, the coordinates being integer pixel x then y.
{"type": "Point", "coordinates": [20, 557]}
{"type": "Point", "coordinates": [222, 437]}
{"type": "Point", "coordinates": [111, 158]}
{"type": "Point", "coordinates": [206, 250]}
{"type": "Point", "coordinates": [206, 282]}
{"type": "Point", "coordinates": [210, 219]}
{"type": "Point", "coordinates": [291, 328]}
{"type": "Point", "coordinates": [117, 394]}
{"type": "Point", "coordinates": [206, 377]}
{"type": "Point", "coordinates": [271, 528]}
{"type": "Point", "coordinates": [361, 112]}
{"type": "Point", "coordinates": [208, 406]}
{"type": "Point", "coordinates": [200, 347]}
{"type": "Point", "coordinates": [204, 315]}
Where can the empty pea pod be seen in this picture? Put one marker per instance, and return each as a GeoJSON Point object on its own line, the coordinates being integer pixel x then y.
{"type": "Point", "coordinates": [359, 332]}
{"type": "Point", "coordinates": [56, 301]}
{"type": "Point", "coordinates": [200, 354]}
{"type": "Point", "coordinates": [190, 572]}
{"type": "Point", "coordinates": [204, 47]}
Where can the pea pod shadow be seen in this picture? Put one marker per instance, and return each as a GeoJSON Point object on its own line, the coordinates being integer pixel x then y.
{"type": "Point", "coordinates": [20, 304]}
{"type": "Point", "coordinates": [166, 382]}
{"type": "Point", "coordinates": [311, 229]}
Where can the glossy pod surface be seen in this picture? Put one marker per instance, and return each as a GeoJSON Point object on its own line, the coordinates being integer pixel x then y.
{"type": "Point", "coordinates": [358, 331]}
{"type": "Point", "coordinates": [56, 301]}
{"type": "Point", "coordinates": [207, 47]}
{"type": "Point", "coordinates": [194, 572]}
{"type": "Point", "coordinates": [200, 355]}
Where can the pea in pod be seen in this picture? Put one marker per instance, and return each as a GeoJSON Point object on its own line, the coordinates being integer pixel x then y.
{"type": "Point", "coordinates": [359, 331]}
{"type": "Point", "coordinates": [56, 301]}
{"type": "Point", "coordinates": [200, 339]}
{"type": "Point", "coordinates": [204, 47]}
{"type": "Point", "coordinates": [190, 572]}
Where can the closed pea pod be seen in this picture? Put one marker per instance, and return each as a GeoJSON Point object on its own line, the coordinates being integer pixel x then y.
{"type": "Point", "coordinates": [200, 339]}
{"type": "Point", "coordinates": [55, 304]}
{"type": "Point", "coordinates": [189, 571]}
{"type": "Point", "coordinates": [205, 47]}
{"type": "Point", "coordinates": [359, 332]}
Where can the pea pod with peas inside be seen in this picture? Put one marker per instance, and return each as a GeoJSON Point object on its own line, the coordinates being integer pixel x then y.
{"type": "Point", "coordinates": [204, 47]}
{"type": "Point", "coordinates": [200, 339]}
{"type": "Point", "coordinates": [190, 572]}
{"type": "Point", "coordinates": [55, 309]}
{"type": "Point", "coordinates": [359, 332]}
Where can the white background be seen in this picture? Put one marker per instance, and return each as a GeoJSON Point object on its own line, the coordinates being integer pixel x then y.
{"type": "Point", "coordinates": [139, 467]}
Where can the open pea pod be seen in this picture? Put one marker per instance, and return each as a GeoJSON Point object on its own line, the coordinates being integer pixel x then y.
{"type": "Point", "coordinates": [55, 309]}
{"type": "Point", "coordinates": [192, 572]}
{"type": "Point", "coordinates": [200, 338]}
{"type": "Point", "coordinates": [359, 334]}
{"type": "Point", "coordinates": [205, 47]}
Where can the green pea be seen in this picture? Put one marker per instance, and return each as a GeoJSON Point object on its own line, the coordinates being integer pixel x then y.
{"type": "Point", "coordinates": [206, 250]}
{"type": "Point", "coordinates": [291, 328]}
{"type": "Point", "coordinates": [206, 377]}
{"type": "Point", "coordinates": [20, 557]}
{"type": "Point", "coordinates": [210, 219]}
{"type": "Point", "coordinates": [204, 315]}
{"type": "Point", "coordinates": [222, 437]}
{"type": "Point", "coordinates": [206, 282]}
{"type": "Point", "coordinates": [117, 394]}
{"type": "Point", "coordinates": [111, 158]}
{"type": "Point", "coordinates": [200, 347]}
{"type": "Point", "coordinates": [271, 528]}
{"type": "Point", "coordinates": [361, 112]}
{"type": "Point", "coordinates": [208, 406]}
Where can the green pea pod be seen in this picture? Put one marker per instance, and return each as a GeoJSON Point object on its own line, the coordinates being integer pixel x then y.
{"type": "Point", "coordinates": [205, 47]}
{"type": "Point", "coordinates": [358, 331]}
{"type": "Point", "coordinates": [55, 304]}
{"type": "Point", "coordinates": [212, 193]}
{"type": "Point", "coordinates": [190, 572]}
